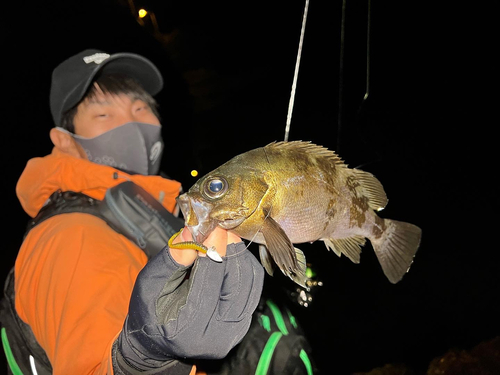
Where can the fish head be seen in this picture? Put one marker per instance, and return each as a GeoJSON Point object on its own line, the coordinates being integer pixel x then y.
{"type": "Point", "coordinates": [225, 197]}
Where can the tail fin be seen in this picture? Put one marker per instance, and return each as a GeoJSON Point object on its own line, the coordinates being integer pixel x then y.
{"type": "Point", "coordinates": [396, 248]}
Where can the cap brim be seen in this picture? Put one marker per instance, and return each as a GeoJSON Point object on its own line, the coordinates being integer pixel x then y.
{"type": "Point", "coordinates": [135, 66]}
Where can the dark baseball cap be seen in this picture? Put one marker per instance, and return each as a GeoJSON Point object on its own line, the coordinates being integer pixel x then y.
{"type": "Point", "coordinates": [72, 78]}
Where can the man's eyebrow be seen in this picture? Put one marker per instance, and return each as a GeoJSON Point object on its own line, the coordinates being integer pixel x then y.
{"type": "Point", "coordinates": [98, 101]}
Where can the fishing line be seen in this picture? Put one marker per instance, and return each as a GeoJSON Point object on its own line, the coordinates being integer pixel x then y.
{"type": "Point", "coordinates": [341, 77]}
{"type": "Point", "coordinates": [368, 29]}
{"type": "Point", "coordinates": [258, 230]}
{"type": "Point", "coordinates": [251, 241]}
{"type": "Point", "coordinates": [341, 71]}
{"type": "Point", "coordinates": [297, 64]}
{"type": "Point", "coordinates": [367, 80]}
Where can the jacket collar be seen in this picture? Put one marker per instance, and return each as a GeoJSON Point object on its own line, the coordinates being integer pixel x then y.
{"type": "Point", "coordinates": [44, 175]}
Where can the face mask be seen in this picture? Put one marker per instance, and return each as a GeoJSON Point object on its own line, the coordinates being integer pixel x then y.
{"type": "Point", "coordinates": [134, 147]}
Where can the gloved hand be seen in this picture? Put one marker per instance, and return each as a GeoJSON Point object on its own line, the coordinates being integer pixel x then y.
{"type": "Point", "coordinates": [178, 312]}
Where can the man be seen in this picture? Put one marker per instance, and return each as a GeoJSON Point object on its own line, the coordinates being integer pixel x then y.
{"type": "Point", "coordinates": [91, 298]}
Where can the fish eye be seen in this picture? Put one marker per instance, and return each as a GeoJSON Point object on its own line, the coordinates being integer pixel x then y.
{"type": "Point", "coordinates": [215, 187]}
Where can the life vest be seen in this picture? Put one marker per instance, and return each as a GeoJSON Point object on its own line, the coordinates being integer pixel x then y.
{"type": "Point", "coordinates": [129, 210]}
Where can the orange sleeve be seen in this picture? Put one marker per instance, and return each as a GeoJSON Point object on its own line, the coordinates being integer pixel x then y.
{"type": "Point", "coordinates": [74, 276]}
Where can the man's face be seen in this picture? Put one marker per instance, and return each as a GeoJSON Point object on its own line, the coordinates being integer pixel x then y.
{"type": "Point", "coordinates": [105, 112]}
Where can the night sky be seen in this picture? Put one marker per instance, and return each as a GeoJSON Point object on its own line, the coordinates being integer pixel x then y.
{"type": "Point", "coordinates": [426, 131]}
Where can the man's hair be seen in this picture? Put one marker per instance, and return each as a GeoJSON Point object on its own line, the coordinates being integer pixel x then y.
{"type": "Point", "coordinates": [114, 84]}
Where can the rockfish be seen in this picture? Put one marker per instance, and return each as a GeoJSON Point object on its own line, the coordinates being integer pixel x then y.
{"type": "Point", "coordinates": [295, 192]}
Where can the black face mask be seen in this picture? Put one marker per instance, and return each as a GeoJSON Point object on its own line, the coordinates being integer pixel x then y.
{"type": "Point", "coordinates": [134, 147]}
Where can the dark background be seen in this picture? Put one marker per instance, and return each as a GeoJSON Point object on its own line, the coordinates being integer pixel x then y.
{"type": "Point", "coordinates": [427, 131]}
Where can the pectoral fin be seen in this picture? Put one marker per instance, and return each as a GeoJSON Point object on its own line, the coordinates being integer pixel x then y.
{"type": "Point", "coordinates": [290, 260]}
{"type": "Point", "coordinates": [278, 244]}
{"type": "Point", "coordinates": [269, 265]}
{"type": "Point", "coordinates": [299, 276]}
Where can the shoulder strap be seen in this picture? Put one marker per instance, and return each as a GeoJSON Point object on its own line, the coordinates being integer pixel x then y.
{"type": "Point", "coordinates": [65, 202]}
{"type": "Point", "coordinates": [127, 208]}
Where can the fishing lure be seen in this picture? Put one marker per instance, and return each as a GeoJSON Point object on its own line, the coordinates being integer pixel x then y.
{"type": "Point", "coordinates": [211, 253]}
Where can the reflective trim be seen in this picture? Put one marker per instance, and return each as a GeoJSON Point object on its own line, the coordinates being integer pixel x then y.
{"type": "Point", "coordinates": [32, 364]}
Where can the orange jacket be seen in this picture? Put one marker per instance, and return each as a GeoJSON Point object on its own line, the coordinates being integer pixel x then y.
{"type": "Point", "coordinates": [74, 274]}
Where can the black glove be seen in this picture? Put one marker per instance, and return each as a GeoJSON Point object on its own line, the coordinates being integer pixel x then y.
{"type": "Point", "coordinates": [178, 313]}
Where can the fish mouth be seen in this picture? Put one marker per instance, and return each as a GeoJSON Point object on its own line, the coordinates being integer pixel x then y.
{"type": "Point", "coordinates": [196, 214]}
{"type": "Point", "coordinates": [231, 223]}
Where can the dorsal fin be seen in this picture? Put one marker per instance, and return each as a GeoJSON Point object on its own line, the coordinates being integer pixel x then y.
{"type": "Point", "coordinates": [310, 148]}
{"type": "Point", "coordinates": [369, 186]}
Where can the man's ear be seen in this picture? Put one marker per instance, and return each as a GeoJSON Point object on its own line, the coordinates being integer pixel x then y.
{"type": "Point", "coordinates": [65, 143]}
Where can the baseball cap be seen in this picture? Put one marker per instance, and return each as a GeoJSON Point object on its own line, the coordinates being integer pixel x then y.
{"type": "Point", "coordinates": [72, 78]}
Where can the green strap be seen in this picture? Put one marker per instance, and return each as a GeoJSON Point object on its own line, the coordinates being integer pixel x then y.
{"type": "Point", "coordinates": [280, 322]}
{"type": "Point", "coordinates": [292, 319]}
{"type": "Point", "coordinates": [307, 362]}
{"type": "Point", "coordinates": [265, 322]}
{"type": "Point", "coordinates": [267, 354]}
{"type": "Point", "coordinates": [8, 353]}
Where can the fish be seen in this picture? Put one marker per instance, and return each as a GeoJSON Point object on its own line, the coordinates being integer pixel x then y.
{"type": "Point", "coordinates": [292, 192]}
